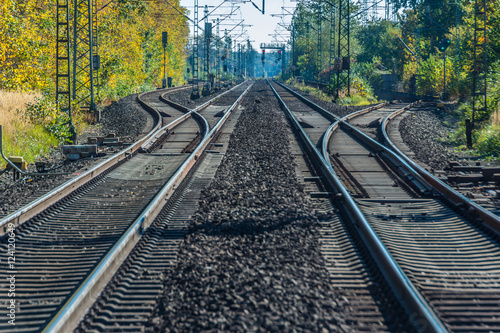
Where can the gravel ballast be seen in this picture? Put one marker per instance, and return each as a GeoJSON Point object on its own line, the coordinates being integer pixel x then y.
{"type": "Point", "coordinates": [183, 97]}
{"type": "Point", "coordinates": [424, 132]}
{"type": "Point", "coordinates": [251, 259]}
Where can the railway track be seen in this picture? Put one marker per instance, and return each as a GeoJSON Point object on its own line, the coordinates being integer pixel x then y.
{"type": "Point", "coordinates": [396, 239]}
{"type": "Point", "coordinates": [447, 261]}
{"type": "Point", "coordinates": [69, 242]}
{"type": "Point", "coordinates": [361, 289]}
{"type": "Point", "coordinates": [128, 301]}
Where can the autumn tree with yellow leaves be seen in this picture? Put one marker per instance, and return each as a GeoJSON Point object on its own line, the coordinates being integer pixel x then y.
{"type": "Point", "coordinates": [129, 37]}
{"type": "Point", "coordinates": [129, 45]}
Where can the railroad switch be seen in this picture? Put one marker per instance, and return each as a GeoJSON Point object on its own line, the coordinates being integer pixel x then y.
{"type": "Point", "coordinates": [110, 140]}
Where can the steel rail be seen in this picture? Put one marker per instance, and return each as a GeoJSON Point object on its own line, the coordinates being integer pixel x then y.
{"type": "Point", "coordinates": [421, 314]}
{"type": "Point", "coordinates": [189, 113]}
{"type": "Point", "coordinates": [71, 312]}
{"type": "Point", "coordinates": [490, 220]}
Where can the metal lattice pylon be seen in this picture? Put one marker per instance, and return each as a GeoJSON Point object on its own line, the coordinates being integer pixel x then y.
{"type": "Point", "coordinates": [293, 61]}
{"type": "Point", "coordinates": [83, 71]}
{"type": "Point", "coordinates": [217, 58]}
{"type": "Point", "coordinates": [195, 92]}
{"type": "Point", "coordinates": [343, 78]}
{"type": "Point", "coordinates": [332, 37]}
{"type": "Point", "coordinates": [480, 67]}
{"type": "Point", "coordinates": [63, 57]}
{"type": "Point", "coordinates": [319, 46]}
{"type": "Point", "coordinates": [95, 51]}
{"type": "Point", "coordinates": [206, 63]}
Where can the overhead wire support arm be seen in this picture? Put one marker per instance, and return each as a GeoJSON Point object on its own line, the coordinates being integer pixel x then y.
{"type": "Point", "coordinates": [366, 9]}
{"type": "Point", "coordinates": [217, 7]}
{"type": "Point", "coordinates": [263, 6]}
{"type": "Point", "coordinates": [228, 15]}
{"type": "Point", "coordinates": [236, 26]}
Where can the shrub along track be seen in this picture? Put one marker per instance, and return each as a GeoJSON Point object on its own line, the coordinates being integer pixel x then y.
{"type": "Point", "coordinates": [252, 258]}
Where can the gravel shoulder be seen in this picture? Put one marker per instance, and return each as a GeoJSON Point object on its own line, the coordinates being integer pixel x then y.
{"type": "Point", "coordinates": [425, 132]}
{"type": "Point", "coordinates": [251, 260]}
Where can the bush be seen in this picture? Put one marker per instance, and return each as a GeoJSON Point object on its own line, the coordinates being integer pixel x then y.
{"type": "Point", "coordinates": [43, 112]}
{"type": "Point", "coordinates": [488, 142]}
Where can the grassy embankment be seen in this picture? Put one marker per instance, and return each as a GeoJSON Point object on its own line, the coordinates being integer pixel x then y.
{"type": "Point", "coordinates": [355, 99]}
{"type": "Point", "coordinates": [21, 137]}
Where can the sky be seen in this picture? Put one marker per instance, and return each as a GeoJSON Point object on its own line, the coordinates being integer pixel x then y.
{"type": "Point", "coordinates": [262, 25]}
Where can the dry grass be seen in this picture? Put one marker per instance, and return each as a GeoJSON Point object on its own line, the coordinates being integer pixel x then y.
{"type": "Point", "coordinates": [9, 103]}
{"type": "Point", "coordinates": [19, 137]}
{"type": "Point", "coordinates": [495, 119]}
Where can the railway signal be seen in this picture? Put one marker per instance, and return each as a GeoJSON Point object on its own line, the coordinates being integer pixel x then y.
{"type": "Point", "coordinates": [444, 45]}
{"type": "Point", "coordinates": [263, 57]}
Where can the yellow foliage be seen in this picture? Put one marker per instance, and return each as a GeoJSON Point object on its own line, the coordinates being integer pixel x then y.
{"type": "Point", "coordinates": [25, 45]}
{"type": "Point", "coordinates": [129, 43]}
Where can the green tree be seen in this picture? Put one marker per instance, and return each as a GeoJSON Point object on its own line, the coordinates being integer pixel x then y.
{"type": "Point", "coordinates": [379, 39]}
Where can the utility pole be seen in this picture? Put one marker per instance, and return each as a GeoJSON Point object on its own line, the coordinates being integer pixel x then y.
{"type": "Point", "coordinates": [218, 55]}
{"type": "Point", "coordinates": [239, 60]}
{"type": "Point", "coordinates": [164, 39]}
{"type": "Point", "coordinates": [207, 88]}
{"type": "Point", "coordinates": [318, 55]}
{"type": "Point", "coordinates": [480, 67]}
{"type": "Point", "coordinates": [344, 48]}
{"type": "Point", "coordinates": [442, 47]}
{"type": "Point", "coordinates": [63, 81]}
{"type": "Point", "coordinates": [206, 64]}
{"type": "Point", "coordinates": [292, 65]}
{"type": "Point", "coordinates": [332, 42]}
{"type": "Point", "coordinates": [96, 60]}
{"type": "Point", "coordinates": [77, 68]}
{"type": "Point", "coordinates": [195, 93]}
